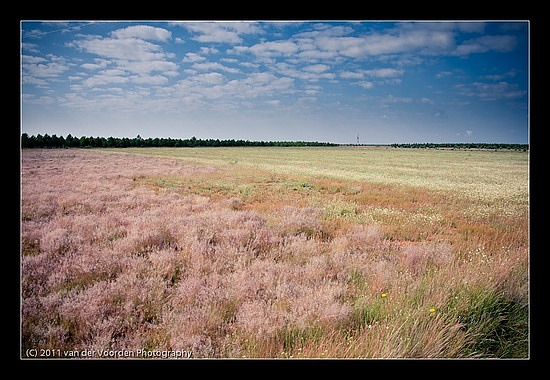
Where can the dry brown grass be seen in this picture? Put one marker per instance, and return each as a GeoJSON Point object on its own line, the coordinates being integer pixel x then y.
{"type": "Point", "coordinates": [129, 252]}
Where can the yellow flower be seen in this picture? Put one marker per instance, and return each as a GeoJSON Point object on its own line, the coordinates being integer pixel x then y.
{"type": "Point", "coordinates": [432, 310]}
{"type": "Point", "coordinates": [384, 295]}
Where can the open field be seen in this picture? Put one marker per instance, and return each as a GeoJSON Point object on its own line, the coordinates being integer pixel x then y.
{"type": "Point", "coordinates": [340, 252]}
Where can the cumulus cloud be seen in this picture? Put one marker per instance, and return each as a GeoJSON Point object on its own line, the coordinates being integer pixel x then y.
{"type": "Point", "coordinates": [30, 47]}
{"type": "Point", "coordinates": [418, 40]}
{"type": "Point", "coordinates": [221, 91]}
{"type": "Point", "coordinates": [270, 49]}
{"type": "Point", "coordinates": [407, 41]}
{"type": "Point", "coordinates": [500, 43]}
{"type": "Point", "coordinates": [40, 70]}
{"type": "Point", "coordinates": [307, 73]}
{"type": "Point", "coordinates": [207, 78]}
{"type": "Point", "coordinates": [220, 32]}
{"type": "Point", "coordinates": [130, 50]}
{"type": "Point", "coordinates": [144, 67]}
{"type": "Point", "coordinates": [352, 75]}
{"type": "Point", "coordinates": [386, 75]}
{"type": "Point", "coordinates": [156, 80]}
{"type": "Point", "coordinates": [214, 66]}
{"type": "Point", "coordinates": [193, 57]}
{"type": "Point", "coordinates": [104, 79]}
{"type": "Point", "coordinates": [30, 59]}
{"type": "Point", "coordinates": [366, 84]}
{"type": "Point", "coordinates": [144, 32]}
{"type": "Point", "coordinates": [318, 68]}
{"type": "Point", "coordinates": [498, 77]}
{"type": "Point", "coordinates": [384, 72]}
{"type": "Point", "coordinates": [99, 64]}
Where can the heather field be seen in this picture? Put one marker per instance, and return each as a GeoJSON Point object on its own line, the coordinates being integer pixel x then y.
{"type": "Point", "coordinates": [271, 252]}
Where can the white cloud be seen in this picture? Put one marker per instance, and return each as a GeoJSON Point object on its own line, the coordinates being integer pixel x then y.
{"type": "Point", "coordinates": [171, 73]}
{"type": "Point", "coordinates": [424, 39]}
{"type": "Point", "coordinates": [261, 78]}
{"type": "Point", "coordinates": [208, 50]}
{"type": "Point", "coordinates": [471, 27]}
{"type": "Point", "coordinates": [382, 76]}
{"type": "Point", "coordinates": [104, 79]}
{"type": "Point", "coordinates": [113, 72]}
{"type": "Point", "coordinates": [31, 59]}
{"type": "Point", "coordinates": [397, 99]}
{"type": "Point", "coordinates": [222, 93]}
{"type": "Point", "coordinates": [415, 40]}
{"type": "Point", "coordinates": [318, 68]}
{"type": "Point", "coordinates": [38, 70]}
{"type": "Point", "coordinates": [209, 78]}
{"type": "Point", "coordinates": [443, 74]}
{"type": "Point", "coordinates": [313, 54]}
{"type": "Point", "coordinates": [34, 81]}
{"type": "Point", "coordinates": [30, 47]}
{"type": "Point", "coordinates": [366, 84]}
{"type": "Point", "coordinates": [352, 75]}
{"type": "Point", "coordinates": [213, 66]}
{"type": "Point", "coordinates": [221, 32]}
{"type": "Point", "coordinates": [491, 91]}
{"type": "Point", "coordinates": [155, 80]}
{"type": "Point", "coordinates": [337, 43]}
{"type": "Point", "coordinates": [148, 66]}
{"type": "Point", "coordinates": [132, 49]}
{"type": "Point", "coordinates": [487, 43]}
{"type": "Point", "coordinates": [307, 101]}
{"type": "Point", "coordinates": [384, 73]}
{"type": "Point", "coordinates": [39, 100]}
{"type": "Point", "coordinates": [498, 77]}
{"type": "Point", "coordinates": [127, 52]}
{"type": "Point", "coordinates": [144, 32]}
{"type": "Point", "coordinates": [326, 30]}
{"type": "Point", "coordinates": [249, 65]}
{"type": "Point", "coordinates": [308, 73]}
{"type": "Point", "coordinates": [193, 57]}
{"type": "Point", "coordinates": [99, 64]}
{"type": "Point", "coordinates": [401, 42]}
{"type": "Point", "coordinates": [274, 102]}
{"type": "Point", "coordinates": [264, 84]}
{"type": "Point", "coordinates": [273, 48]}
{"type": "Point", "coordinates": [44, 70]}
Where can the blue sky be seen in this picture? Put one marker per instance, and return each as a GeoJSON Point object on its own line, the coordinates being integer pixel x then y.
{"type": "Point", "coordinates": [388, 82]}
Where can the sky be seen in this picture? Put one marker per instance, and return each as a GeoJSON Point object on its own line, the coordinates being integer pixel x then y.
{"type": "Point", "coordinates": [383, 82]}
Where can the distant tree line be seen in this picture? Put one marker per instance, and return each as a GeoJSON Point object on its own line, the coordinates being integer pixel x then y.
{"type": "Point", "coordinates": [491, 146]}
{"type": "Point", "coordinates": [54, 141]}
